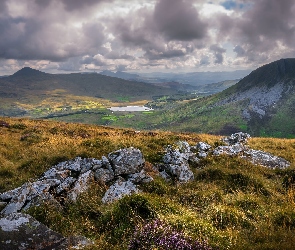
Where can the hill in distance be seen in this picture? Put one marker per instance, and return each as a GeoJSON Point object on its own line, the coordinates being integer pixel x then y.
{"type": "Point", "coordinates": [262, 104]}
{"type": "Point", "coordinates": [35, 93]}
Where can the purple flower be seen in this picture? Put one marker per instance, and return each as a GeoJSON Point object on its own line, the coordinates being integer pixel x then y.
{"type": "Point", "coordinates": [159, 234]}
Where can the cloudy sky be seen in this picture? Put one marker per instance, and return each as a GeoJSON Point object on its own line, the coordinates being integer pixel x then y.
{"type": "Point", "coordinates": [144, 35]}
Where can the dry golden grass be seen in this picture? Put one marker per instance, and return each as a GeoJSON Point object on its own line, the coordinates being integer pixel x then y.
{"type": "Point", "coordinates": [232, 203]}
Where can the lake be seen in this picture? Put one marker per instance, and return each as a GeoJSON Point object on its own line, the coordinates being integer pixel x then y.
{"type": "Point", "coordinates": [130, 108]}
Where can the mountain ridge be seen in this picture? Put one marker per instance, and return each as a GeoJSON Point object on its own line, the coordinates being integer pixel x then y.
{"type": "Point", "coordinates": [261, 104]}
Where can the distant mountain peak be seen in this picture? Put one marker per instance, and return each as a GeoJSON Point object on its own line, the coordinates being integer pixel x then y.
{"type": "Point", "coordinates": [27, 71]}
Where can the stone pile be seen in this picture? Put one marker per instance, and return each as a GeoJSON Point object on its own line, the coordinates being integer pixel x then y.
{"type": "Point", "coordinates": [236, 144]}
{"type": "Point", "coordinates": [175, 164]}
{"type": "Point", "coordinates": [66, 180]}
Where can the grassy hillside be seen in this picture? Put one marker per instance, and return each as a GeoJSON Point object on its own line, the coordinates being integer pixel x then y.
{"type": "Point", "coordinates": [231, 203]}
{"type": "Point", "coordinates": [261, 104]}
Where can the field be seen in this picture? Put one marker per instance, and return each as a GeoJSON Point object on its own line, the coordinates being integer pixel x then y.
{"type": "Point", "coordinates": [232, 204]}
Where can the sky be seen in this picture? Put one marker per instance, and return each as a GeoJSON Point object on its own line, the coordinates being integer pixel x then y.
{"type": "Point", "coordinates": [60, 36]}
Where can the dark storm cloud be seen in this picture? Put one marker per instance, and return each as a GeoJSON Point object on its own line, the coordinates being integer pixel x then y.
{"type": "Point", "coordinates": [38, 39]}
{"type": "Point", "coordinates": [218, 53]}
{"type": "Point", "coordinates": [179, 20]}
{"type": "Point", "coordinates": [72, 5]}
{"type": "Point", "coordinates": [3, 6]}
{"type": "Point", "coordinates": [260, 28]}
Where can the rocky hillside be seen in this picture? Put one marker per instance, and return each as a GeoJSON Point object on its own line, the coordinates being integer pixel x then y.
{"type": "Point", "coordinates": [96, 187]}
{"type": "Point", "coordinates": [262, 104]}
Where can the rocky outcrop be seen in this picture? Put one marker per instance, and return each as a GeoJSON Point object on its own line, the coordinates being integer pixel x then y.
{"type": "Point", "coordinates": [118, 190]}
{"type": "Point", "coordinates": [22, 231]}
{"type": "Point", "coordinates": [67, 180]}
{"type": "Point", "coordinates": [175, 164]}
{"type": "Point", "coordinates": [122, 170]}
{"type": "Point", "coordinates": [258, 157]}
{"type": "Point", "coordinates": [236, 144]}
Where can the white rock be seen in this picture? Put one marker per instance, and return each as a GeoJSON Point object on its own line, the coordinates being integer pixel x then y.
{"type": "Point", "coordinates": [118, 190]}
{"type": "Point", "coordinates": [81, 185]}
{"type": "Point", "coordinates": [126, 161]}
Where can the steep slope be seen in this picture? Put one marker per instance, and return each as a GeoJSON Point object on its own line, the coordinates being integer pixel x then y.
{"type": "Point", "coordinates": [262, 103]}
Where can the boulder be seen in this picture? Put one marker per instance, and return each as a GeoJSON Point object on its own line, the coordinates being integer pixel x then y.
{"type": "Point", "coordinates": [118, 190]}
{"type": "Point", "coordinates": [81, 185]}
{"type": "Point", "coordinates": [265, 159]}
{"type": "Point", "coordinates": [104, 175]}
{"type": "Point", "coordinates": [234, 149]}
{"type": "Point", "coordinates": [126, 161]}
{"type": "Point", "coordinates": [202, 149]}
{"type": "Point", "coordinates": [181, 173]}
{"type": "Point", "coordinates": [141, 177]}
{"type": "Point", "coordinates": [239, 137]}
{"type": "Point", "coordinates": [176, 163]}
{"type": "Point", "coordinates": [22, 231]}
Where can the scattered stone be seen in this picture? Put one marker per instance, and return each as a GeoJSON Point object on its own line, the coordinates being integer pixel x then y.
{"type": "Point", "coordinates": [118, 190]}
{"type": "Point", "coordinates": [22, 231]}
{"type": "Point", "coordinates": [81, 185]}
{"type": "Point", "coordinates": [176, 163]}
{"type": "Point", "coordinates": [165, 176]}
{"type": "Point", "coordinates": [65, 185]}
{"type": "Point", "coordinates": [141, 177]}
{"type": "Point", "coordinates": [239, 137]}
{"type": "Point", "coordinates": [265, 159]}
{"type": "Point", "coordinates": [126, 161]}
{"type": "Point", "coordinates": [230, 150]}
{"type": "Point", "coordinates": [202, 146]}
{"type": "Point", "coordinates": [104, 175]}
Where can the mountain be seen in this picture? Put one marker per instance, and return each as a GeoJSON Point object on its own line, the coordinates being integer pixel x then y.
{"type": "Point", "coordinates": [214, 88]}
{"type": "Point", "coordinates": [33, 90]}
{"type": "Point", "coordinates": [197, 78]}
{"type": "Point", "coordinates": [92, 85]}
{"type": "Point", "coordinates": [161, 82]}
{"type": "Point", "coordinates": [262, 104]}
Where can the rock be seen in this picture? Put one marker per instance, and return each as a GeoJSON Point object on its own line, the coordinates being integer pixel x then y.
{"type": "Point", "coordinates": [183, 147]}
{"type": "Point", "coordinates": [65, 185]}
{"type": "Point", "coordinates": [118, 190]}
{"type": "Point", "coordinates": [9, 194]}
{"type": "Point", "coordinates": [17, 202]}
{"type": "Point", "coordinates": [53, 173]}
{"type": "Point", "coordinates": [165, 176]}
{"type": "Point", "coordinates": [230, 150]}
{"type": "Point", "coordinates": [97, 165]}
{"type": "Point", "coordinates": [26, 193]}
{"type": "Point", "coordinates": [141, 177]}
{"type": "Point", "coordinates": [181, 173]}
{"type": "Point", "coordinates": [202, 146]}
{"type": "Point", "coordinates": [265, 159]}
{"type": "Point", "coordinates": [126, 161]}
{"type": "Point", "coordinates": [176, 163]}
{"type": "Point", "coordinates": [239, 137]}
{"type": "Point", "coordinates": [40, 199]}
{"type": "Point", "coordinates": [173, 156]}
{"type": "Point", "coordinates": [81, 185]}
{"type": "Point", "coordinates": [21, 231]}
{"type": "Point", "coordinates": [104, 175]}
